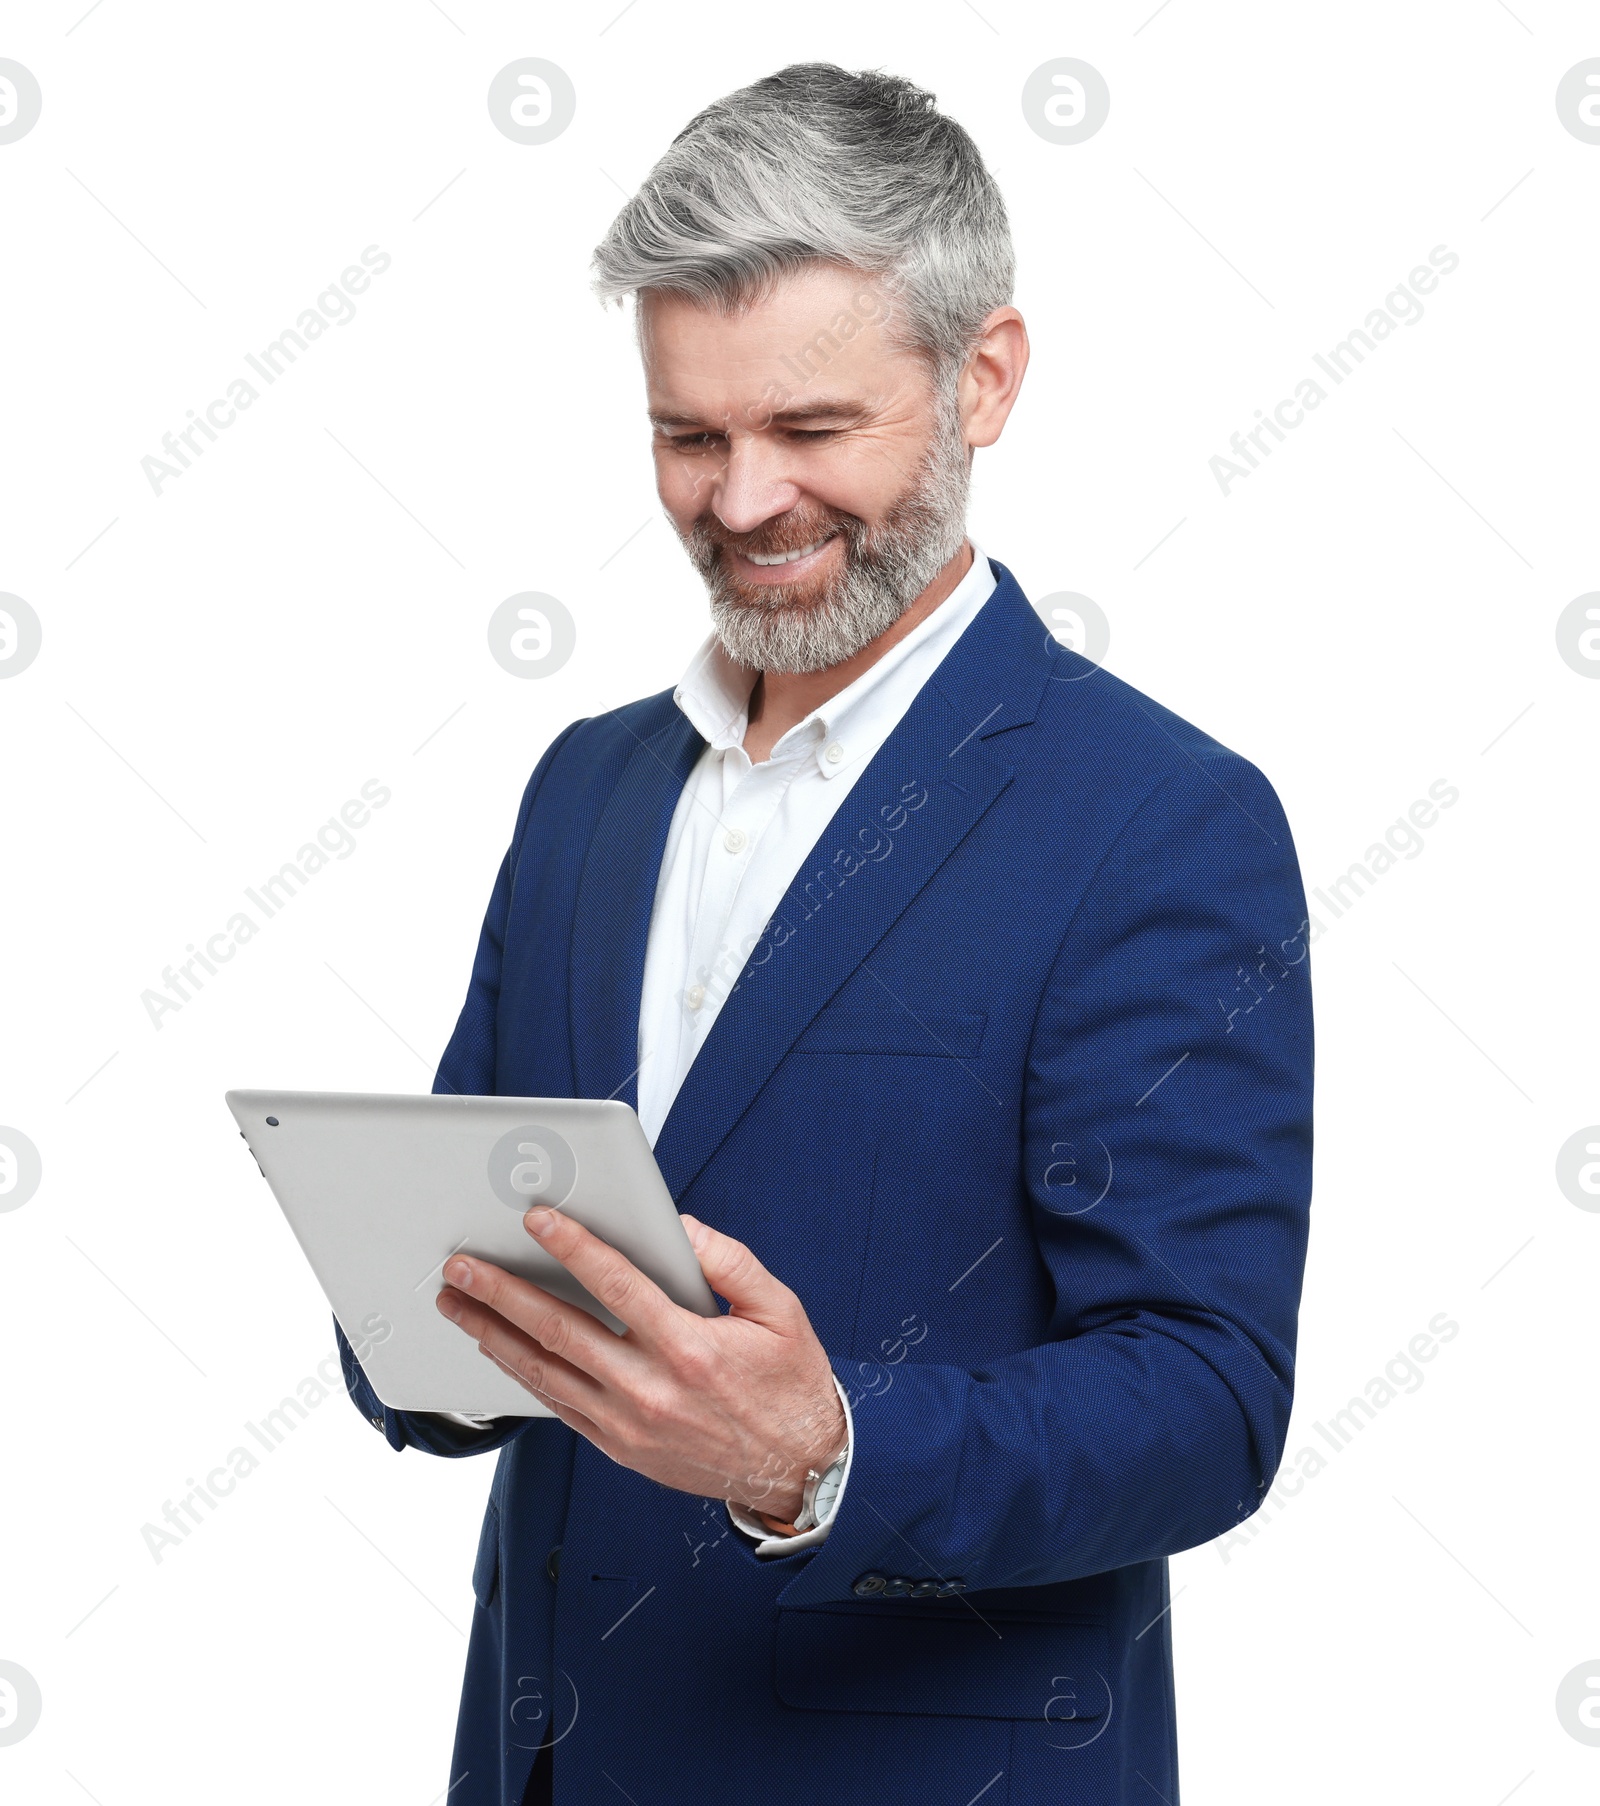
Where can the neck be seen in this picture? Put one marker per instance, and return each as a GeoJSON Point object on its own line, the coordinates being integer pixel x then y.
{"type": "Point", "coordinates": [781, 699]}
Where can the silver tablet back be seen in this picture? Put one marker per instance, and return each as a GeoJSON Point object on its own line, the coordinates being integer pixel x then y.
{"type": "Point", "coordinates": [380, 1190]}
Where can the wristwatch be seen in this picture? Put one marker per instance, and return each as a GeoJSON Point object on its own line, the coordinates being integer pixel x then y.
{"type": "Point", "coordinates": [816, 1498]}
{"type": "Point", "coordinates": [821, 1489]}
{"type": "Point", "coordinates": [818, 1495]}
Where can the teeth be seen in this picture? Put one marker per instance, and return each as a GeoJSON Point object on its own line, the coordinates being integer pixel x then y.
{"type": "Point", "coordinates": [787, 557]}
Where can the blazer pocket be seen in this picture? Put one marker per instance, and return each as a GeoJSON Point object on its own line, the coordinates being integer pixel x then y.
{"type": "Point", "coordinates": [943, 1663]}
{"type": "Point", "coordinates": [893, 1031]}
{"type": "Point", "coordinates": [486, 1569]}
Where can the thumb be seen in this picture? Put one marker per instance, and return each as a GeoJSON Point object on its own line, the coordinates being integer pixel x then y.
{"type": "Point", "coordinates": [733, 1270]}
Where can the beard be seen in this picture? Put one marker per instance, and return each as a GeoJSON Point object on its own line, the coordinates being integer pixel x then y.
{"type": "Point", "coordinates": [817, 622]}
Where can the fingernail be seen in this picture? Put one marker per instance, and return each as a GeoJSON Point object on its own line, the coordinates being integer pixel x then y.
{"type": "Point", "coordinates": [450, 1305]}
{"type": "Point", "coordinates": [539, 1221]}
{"type": "Point", "coordinates": [459, 1274]}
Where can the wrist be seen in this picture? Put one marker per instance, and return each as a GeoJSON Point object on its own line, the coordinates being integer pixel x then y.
{"type": "Point", "coordinates": [791, 1515]}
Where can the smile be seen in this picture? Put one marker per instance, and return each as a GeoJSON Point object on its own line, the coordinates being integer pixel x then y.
{"type": "Point", "coordinates": [773, 558]}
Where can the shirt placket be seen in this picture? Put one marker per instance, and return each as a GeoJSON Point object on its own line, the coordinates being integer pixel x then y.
{"type": "Point", "coordinates": [753, 799]}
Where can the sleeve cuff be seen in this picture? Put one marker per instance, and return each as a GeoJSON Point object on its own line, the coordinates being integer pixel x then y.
{"type": "Point", "coordinates": [767, 1543]}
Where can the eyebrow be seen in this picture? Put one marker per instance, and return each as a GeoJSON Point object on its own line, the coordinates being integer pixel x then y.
{"type": "Point", "coordinates": [837, 412]}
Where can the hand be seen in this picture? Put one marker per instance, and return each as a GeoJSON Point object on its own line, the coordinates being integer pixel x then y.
{"type": "Point", "coordinates": [736, 1406]}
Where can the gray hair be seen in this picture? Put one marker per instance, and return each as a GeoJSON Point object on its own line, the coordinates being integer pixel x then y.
{"type": "Point", "coordinates": [817, 164]}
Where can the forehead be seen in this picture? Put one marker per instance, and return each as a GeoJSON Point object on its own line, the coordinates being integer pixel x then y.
{"type": "Point", "coordinates": [819, 335]}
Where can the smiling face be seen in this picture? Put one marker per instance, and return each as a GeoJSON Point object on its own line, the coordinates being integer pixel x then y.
{"type": "Point", "coordinates": [818, 482]}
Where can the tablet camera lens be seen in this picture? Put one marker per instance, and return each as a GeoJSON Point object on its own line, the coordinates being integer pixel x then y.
{"type": "Point", "coordinates": [272, 1122]}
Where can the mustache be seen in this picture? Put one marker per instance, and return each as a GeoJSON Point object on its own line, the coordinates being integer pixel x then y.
{"type": "Point", "coordinates": [707, 536]}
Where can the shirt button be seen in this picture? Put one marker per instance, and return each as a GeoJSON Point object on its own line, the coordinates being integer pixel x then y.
{"type": "Point", "coordinates": [695, 996]}
{"type": "Point", "coordinates": [735, 840]}
{"type": "Point", "coordinates": [834, 753]}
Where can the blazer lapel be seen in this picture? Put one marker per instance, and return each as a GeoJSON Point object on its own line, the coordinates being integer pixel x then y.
{"type": "Point", "coordinates": [612, 920]}
{"type": "Point", "coordinates": [919, 797]}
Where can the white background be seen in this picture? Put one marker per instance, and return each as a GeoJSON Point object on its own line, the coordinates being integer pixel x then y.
{"type": "Point", "coordinates": [226, 663]}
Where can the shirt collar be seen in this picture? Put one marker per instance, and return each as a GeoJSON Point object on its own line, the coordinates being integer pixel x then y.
{"type": "Point", "coordinates": [714, 692]}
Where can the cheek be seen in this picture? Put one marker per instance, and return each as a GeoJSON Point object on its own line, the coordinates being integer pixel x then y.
{"type": "Point", "coordinates": [685, 485]}
{"type": "Point", "coordinates": [865, 478]}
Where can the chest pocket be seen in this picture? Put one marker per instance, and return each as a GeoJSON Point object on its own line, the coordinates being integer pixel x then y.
{"type": "Point", "coordinates": [868, 1029]}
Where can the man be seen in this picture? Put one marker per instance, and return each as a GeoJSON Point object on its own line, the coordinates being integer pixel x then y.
{"type": "Point", "coordinates": [963, 992]}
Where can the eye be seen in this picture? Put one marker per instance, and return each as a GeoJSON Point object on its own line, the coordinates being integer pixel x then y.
{"type": "Point", "coordinates": [693, 442]}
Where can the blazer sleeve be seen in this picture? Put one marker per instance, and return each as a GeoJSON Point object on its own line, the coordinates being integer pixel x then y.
{"type": "Point", "coordinates": [468, 1070]}
{"type": "Point", "coordinates": [1172, 1057]}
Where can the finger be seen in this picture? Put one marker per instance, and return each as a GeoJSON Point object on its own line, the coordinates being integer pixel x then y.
{"type": "Point", "coordinates": [632, 1297]}
{"type": "Point", "coordinates": [732, 1269]}
{"type": "Point", "coordinates": [531, 1365]}
{"type": "Point", "coordinates": [569, 1414]}
{"type": "Point", "coordinates": [575, 1420]}
{"type": "Point", "coordinates": [563, 1329]}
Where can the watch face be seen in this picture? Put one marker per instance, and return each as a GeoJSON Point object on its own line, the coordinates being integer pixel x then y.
{"type": "Point", "coordinates": [828, 1489]}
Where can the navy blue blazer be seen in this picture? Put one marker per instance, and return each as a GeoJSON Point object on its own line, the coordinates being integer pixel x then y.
{"type": "Point", "coordinates": [1015, 1092]}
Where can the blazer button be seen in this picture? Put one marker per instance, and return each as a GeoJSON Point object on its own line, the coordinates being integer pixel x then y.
{"type": "Point", "coordinates": [552, 1563]}
{"type": "Point", "coordinates": [923, 1588]}
{"type": "Point", "coordinates": [896, 1587]}
{"type": "Point", "coordinates": [376, 1422]}
{"type": "Point", "coordinates": [944, 1588]}
{"type": "Point", "coordinates": [867, 1585]}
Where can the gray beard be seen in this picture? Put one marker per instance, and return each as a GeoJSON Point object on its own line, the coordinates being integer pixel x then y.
{"type": "Point", "coordinates": [884, 570]}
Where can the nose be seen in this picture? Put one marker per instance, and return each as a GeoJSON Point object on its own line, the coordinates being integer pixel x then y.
{"type": "Point", "coordinates": [752, 485]}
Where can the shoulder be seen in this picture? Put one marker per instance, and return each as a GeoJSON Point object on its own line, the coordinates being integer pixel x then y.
{"type": "Point", "coordinates": [1119, 749]}
{"type": "Point", "coordinates": [1084, 702]}
{"type": "Point", "coordinates": [590, 754]}
{"type": "Point", "coordinates": [597, 743]}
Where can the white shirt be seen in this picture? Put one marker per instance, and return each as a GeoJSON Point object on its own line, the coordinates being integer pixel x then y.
{"type": "Point", "coordinates": [737, 837]}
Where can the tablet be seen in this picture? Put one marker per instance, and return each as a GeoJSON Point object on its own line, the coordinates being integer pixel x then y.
{"type": "Point", "coordinates": [380, 1190]}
